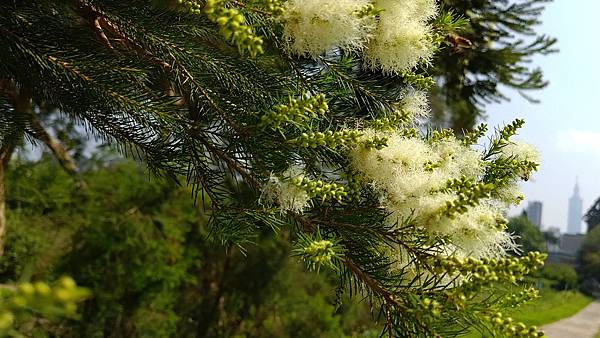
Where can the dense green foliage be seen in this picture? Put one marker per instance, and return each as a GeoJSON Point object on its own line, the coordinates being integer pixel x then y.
{"type": "Point", "coordinates": [592, 216]}
{"type": "Point", "coordinates": [528, 236]}
{"type": "Point", "coordinates": [491, 54]}
{"type": "Point", "coordinates": [551, 306]}
{"type": "Point", "coordinates": [563, 276]}
{"type": "Point", "coordinates": [146, 252]}
{"type": "Point", "coordinates": [589, 255]}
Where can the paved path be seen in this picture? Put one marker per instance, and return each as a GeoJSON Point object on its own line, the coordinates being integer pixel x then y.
{"type": "Point", "coordinates": [584, 324]}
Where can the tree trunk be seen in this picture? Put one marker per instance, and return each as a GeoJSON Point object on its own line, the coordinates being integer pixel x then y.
{"type": "Point", "coordinates": [5, 153]}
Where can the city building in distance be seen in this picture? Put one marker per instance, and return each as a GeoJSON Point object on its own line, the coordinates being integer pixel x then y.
{"type": "Point", "coordinates": [534, 213]}
{"type": "Point", "coordinates": [575, 212]}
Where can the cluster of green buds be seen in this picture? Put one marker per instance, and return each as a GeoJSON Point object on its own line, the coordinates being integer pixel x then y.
{"type": "Point", "coordinates": [429, 166]}
{"type": "Point", "coordinates": [510, 328]}
{"type": "Point", "coordinates": [49, 300]}
{"type": "Point", "coordinates": [431, 306]}
{"type": "Point", "coordinates": [457, 298]}
{"type": "Point", "coordinates": [368, 10]}
{"type": "Point", "coordinates": [469, 193]}
{"type": "Point", "coordinates": [375, 142]}
{"type": "Point", "coordinates": [321, 189]}
{"type": "Point", "coordinates": [192, 6]}
{"type": "Point", "coordinates": [328, 139]}
{"type": "Point", "coordinates": [504, 169]}
{"type": "Point", "coordinates": [503, 135]}
{"type": "Point", "coordinates": [354, 186]}
{"type": "Point", "coordinates": [392, 121]}
{"type": "Point", "coordinates": [482, 272]}
{"type": "Point", "coordinates": [233, 28]}
{"type": "Point", "coordinates": [320, 252]}
{"type": "Point", "coordinates": [517, 299]}
{"type": "Point", "coordinates": [408, 132]}
{"type": "Point", "coordinates": [438, 135]}
{"type": "Point", "coordinates": [296, 111]}
{"type": "Point", "coordinates": [317, 251]}
{"type": "Point", "coordinates": [418, 80]}
{"type": "Point", "coordinates": [474, 135]}
{"type": "Point", "coordinates": [272, 6]}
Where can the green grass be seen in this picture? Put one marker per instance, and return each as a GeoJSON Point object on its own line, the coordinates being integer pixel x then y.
{"type": "Point", "coordinates": [550, 307]}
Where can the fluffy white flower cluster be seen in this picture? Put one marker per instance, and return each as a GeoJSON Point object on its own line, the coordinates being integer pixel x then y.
{"type": "Point", "coordinates": [313, 27]}
{"type": "Point", "coordinates": [411, 175]}
{"type": "Point", "coordinates": [395, 41]}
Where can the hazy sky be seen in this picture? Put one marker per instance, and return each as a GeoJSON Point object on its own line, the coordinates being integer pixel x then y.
{"type": "Point", "coordinates": [566, 124]}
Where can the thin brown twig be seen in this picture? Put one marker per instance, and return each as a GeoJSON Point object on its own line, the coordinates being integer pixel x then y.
{"type": "Point", "coordinates": [101, 33]}
{"type": "Point", "coordinates": [231, 163]}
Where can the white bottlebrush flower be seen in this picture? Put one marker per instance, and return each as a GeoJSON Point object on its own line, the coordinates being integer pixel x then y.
{"type": "Point", "coordinates": [416, 103]}
{"type": "Point", "coordinates": [475, 233]}
{"type": "Point", "coordinates": [510, 194]}
{"type": "Point", "coordinates": [402, 39]}
{"type": "Point", "coordinates": [418, 10]}
{"type": "Point", "coordinates": [396, 169]}
{"type": "Point", "coordinates": [313, 27]}
{"type": "Point", "coordinates": [457, 160]}
{"type": "Point", "coordinates": [288, 196]}
{"type": "Point", "coordinates": [521, 151]}
{"type": "Point", "coordinates": [409, 188]}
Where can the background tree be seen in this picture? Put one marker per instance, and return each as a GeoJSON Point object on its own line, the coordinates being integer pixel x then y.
{"type": "Point", "coordinates": [589, 255]}
{"type": "Point", "coordinates": [563, 276]}
{"type": "Point", "coordinates": [592, 216]}
{"type": "Point", "coordinates": [492, 53]}
{"type": "Point", "coordinates": [528, 236]}
{"type": "Point", "coordinates": [147, 253]}
{"type": "Point", "coordinates": [284, 117]}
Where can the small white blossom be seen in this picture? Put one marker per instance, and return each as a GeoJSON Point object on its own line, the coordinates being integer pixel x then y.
{"type": "Point", "coordinates": [521, 151]}
{"type": "Point", "coordinates": [402, 39]}
{"type": "Point", "coordinates": [314, 27]}
{"type": "Point", "coordinates": [288, 196]}
{"type": "Point", "coordinates": [416, 103]}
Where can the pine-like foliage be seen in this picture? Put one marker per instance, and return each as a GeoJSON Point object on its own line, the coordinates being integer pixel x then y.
{"type": "Point", "coordinates": [592, 216]}
{"type": "Point", "coordinates": [302, 114]}
{"type": "Point", "coordinates": [494, 51]}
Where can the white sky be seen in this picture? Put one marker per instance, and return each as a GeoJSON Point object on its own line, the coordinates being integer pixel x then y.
{"type": "Point", "coordinates": [566, 124]}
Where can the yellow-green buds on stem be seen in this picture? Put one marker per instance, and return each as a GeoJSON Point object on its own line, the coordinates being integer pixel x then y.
{"type": "Point", "coordinates": [469, 193]}
{"type": "Point", "coordinates": [192, 6]}
{"type": "Point", "coordinates": [320, 189]}
{"type": "Point", "coordinates": [485, 271]}
{"type": "Point", "coordinates": [522, 297]}
{"type": "Point", "coordinates": [337, 139]}
{"type": "Point", "coordinates": [328, 139]}
{"type": "Point", "coordinates": [510, 328]}
{"type": "Point", "coordinates": [392, 121]}
{"type": "Point", "coordinates": [233, 28]}
{"type": "Point", "coordinates": [317, 251]}
{"type": "Point", "coordinates": [471, 137]}
{"type": "Point", "coordinates": [368, 10]}
{"type": "Point", "coordinates": [296, 111]}
{"type": "Point", "coordinates": [51, 300]}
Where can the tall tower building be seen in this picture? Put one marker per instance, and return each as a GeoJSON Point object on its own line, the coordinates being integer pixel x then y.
{"type": "Point", "coordinates": [575, 211]}
{"type": "Point", "coordinates": [534, 213]}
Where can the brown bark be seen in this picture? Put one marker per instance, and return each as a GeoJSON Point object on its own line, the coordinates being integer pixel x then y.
{"type": "Point", "coordinates": [61, 154]}
{"type": "Point", "coordinates": [5, 153]}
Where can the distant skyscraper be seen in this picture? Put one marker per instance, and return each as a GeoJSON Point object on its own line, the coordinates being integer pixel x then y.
{"type": "Point", "coordinates": [575, 212]}
{"type": "Point", "coordinates": [534, 213]}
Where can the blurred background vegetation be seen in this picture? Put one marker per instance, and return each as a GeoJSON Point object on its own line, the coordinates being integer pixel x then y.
{"type": "Point", "coordinates": [155, 268]}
